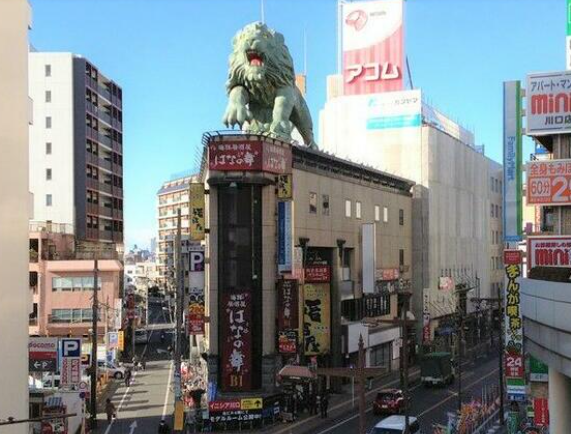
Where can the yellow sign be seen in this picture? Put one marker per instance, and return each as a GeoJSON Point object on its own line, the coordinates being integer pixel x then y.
{"type": "Point", "coordinates": [121, 341]}
{"type": "Point", "coordinates": [196, 212]}
{"type": "Point", "coordinates": [316, 318]}
{"type": "Point", "coordinates": [178, 416]}
{"type": "Point", "coordinates": [285, 186]}
{"type": "Point", "coordinates": [251, 404]}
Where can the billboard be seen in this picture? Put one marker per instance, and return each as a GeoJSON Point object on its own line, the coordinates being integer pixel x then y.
{"type": "Point", "coordinates": [549, 182]}
{"type": "Point", "coordinates": [512, 161]}
{"type": "Point", "coordinates": [249, 155]}
{"type": "Point", "coordinates": [236, 341]}
{"type": "Point", "coordinates": [549, 251]}
{"type": "Point", "coordinates": [285, 186]}
{"type": "Point", "coordinates": [70, 362]}
{"type": "Point", "coordinates": [196, 308]}
{"type": "Point", "coordinates": [43, 354]}
{"type": "Point", "coordinates": [548, 108]}
{"type": "Point", "coordinates": [394, 110]}
{"type": "Point", "coordinates": [373, 48]}
{"type": "Point", "coordinates": [284, 236]}
{"type": "Point", "coordinates": [316, 318]}
{"type": "Point", "coordinates": [196, 197]}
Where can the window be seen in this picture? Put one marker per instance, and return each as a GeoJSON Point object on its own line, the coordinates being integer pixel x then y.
{"type": "Point", "coordinates": [385, 214]}
{"type": "Point", "coordinates": [48, 174]}
{"type": "Point", "coordinates": [48, 200]}
{"type": "Point", "coordinates": [358, 209]}
{"type": "Point", "coordinates": [312, 202]}
{"type": "Point", "coordinates": [48, 70]}
{"type": "Point", "coordinates": [48, 96]}
{"type": "Point", "coordinates": [347, 208]}
{"type": "Point", "coordinates": [377, 213]}
{"type": "Point", "coordinates": [325, 204]}
{"type": "Point", "coordinates": [48, 148]}
{"type": "Point", "coordinates": [492, 210]}
{"type": "Point", "coordinates": [74, 283]}
{"type": "Point", "coordinates": [401, 257]}
{"type": "Point", "coordinates": [401, 217]}
{"type": "Point", "coordinates": [48, 121]}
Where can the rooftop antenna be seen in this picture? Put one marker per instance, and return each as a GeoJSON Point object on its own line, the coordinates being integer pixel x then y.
{"type": "Point", "coordinates": [262, 12]}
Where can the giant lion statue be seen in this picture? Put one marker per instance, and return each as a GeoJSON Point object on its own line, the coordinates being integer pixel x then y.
{"type": "Point", "coordinates": [262, 95]}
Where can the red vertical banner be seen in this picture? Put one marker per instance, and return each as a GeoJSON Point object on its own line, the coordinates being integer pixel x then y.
{"type": "Point", "coordinates": [288, 315]}
{"type": "Point", "coordinates": [540, 412]}
{"type": "Point", "coordinates": [236, 351]}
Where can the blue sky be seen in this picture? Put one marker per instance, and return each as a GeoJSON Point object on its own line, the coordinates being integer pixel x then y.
{"type": "Point", "coordinates": [170, 57]}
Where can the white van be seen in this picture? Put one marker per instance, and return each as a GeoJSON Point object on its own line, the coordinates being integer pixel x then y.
{"type": "Point", "coordinates": [396, 425]}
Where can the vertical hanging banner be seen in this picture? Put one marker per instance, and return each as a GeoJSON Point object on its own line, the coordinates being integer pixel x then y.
{"type": "Point", "coordinates": [373, 48]}
{"type": "Point", "coordinates": [284, 236]}
{"type": "Point", "coordinates": [512, 162]}
{"type": "Point", "coordinates": [196, 291]}
{"type": "Point", "coordinates": [196, 197]}
{"type": "Point", "coordinates": [70, 362]}
{"type": "Point", "coordinates": [426, 316]}
{"type": "Point", "coordinates": [513, 356]}
{"type": "Point", "coordinates": [288, 317]}
{"type": "Point", "coordinates": [316, 318]}
{"type": "Point", "coordinates": [285, 186]}
{"type": "Point", "coordinates": [236, 341]}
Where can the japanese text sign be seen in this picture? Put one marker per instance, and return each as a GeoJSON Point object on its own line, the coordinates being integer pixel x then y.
{"type": "Point", "coordinates": [549, 182]}
{"type": "Point", "coordinates": [218, 406]}
{"type": "Point", "coordinates": [285, 240]}
{"type": "Point", "coordinates": [196, 212]}
{"type": "Point", "coordinates": [236, 314]}
{"type": "Point", "coordinates": [548, 103]}
{"type": "Point", "coordinates": [288, 317]}
{"type": "Point", "coordinates": [512, 257]}
{"type": "Point", "coordinates": [250, 155]}
{"type": "Point", "coordinates": [549, 251]}
{"type": "Point", "coordinates": [43, 354]}
{"type": "Point", "coordinates": [316, 318]}
{"type": "Point", "coordinates": [317, 273]}
{"type": "Point", "coordinates": [513, 320]}
{"type": "Point", "coordinates": [514, 365]}
{"type": "Point", "coordinates": [373, 51]}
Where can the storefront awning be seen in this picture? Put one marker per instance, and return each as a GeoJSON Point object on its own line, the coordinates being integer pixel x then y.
{"type": "Point", "coordinates": [297, 372]}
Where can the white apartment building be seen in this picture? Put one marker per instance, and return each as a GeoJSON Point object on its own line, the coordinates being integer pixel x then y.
{"type": "Point", "coordinates": [15, 210]}
{"type": "Point", "coordinates": [457, 199]}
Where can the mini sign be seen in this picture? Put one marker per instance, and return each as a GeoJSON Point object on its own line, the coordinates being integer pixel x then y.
{"type": "Point", "coordinates": [549, 251]}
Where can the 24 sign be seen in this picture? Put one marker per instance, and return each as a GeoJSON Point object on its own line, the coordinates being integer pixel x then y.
{"type": "Point", "coordinates": [514, 366]}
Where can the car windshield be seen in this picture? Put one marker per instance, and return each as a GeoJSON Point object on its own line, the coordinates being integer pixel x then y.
{"type": "Point", "coordinates": [386, 397]}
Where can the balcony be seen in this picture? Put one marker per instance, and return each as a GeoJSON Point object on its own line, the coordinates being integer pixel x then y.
{"type": "Point", "coordinates": [105, 140]}
{"type": "Point", "coordinates": [105, 117]}
{"type": "Point", "coordinates": [106, 235]}
{"type": "Point", "coordinates": [102, 90]}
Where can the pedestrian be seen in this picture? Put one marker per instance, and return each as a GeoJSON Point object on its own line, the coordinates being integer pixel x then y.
{"type": "Point", "coordinates": [143, 363]}
{"type": "Point", "coordinates": [163, 427]}
{"type": "Point", "coordinates": [312, 404]}
{"type": "Point", "coordinates": [324, 405]}
{"type": "Point", "coordinates": [127, 377]}
{"type": "Point", "coordinates": [110, 410]}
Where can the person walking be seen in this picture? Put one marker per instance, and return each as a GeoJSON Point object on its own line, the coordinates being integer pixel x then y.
{"type": "Point", "coordinates": [127, 377]}
{"type": "Point", "coordinates": [110, 410]}
{"type": "Point", "coordinates": [324, 405]}
{"type": "Point", "coordinates": [143, 363]}
{"type": "Point", "coordinates": [312, 404]}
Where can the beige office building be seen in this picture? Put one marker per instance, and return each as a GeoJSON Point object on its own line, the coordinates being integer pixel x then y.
{"type": "Point", "coordinates": [15, 210]}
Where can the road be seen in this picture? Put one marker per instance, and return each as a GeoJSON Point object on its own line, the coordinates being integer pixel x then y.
{"type": "Point", "coordinates": [149, 398]}
{"type": "Point", "coordinates": [430, 405]}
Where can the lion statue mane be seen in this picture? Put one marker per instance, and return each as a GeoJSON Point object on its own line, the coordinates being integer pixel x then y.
{"type": "Point", "coordinates": [262, 95]}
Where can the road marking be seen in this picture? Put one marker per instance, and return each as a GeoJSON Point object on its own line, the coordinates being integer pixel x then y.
{"type": "Point", "coordinates": [167, 393]}
{"type": "Point", "coordinates": [438, 404]}
{"type": "Point", "coordinates": [120, 405]}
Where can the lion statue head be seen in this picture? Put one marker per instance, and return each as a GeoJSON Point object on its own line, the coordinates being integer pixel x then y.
{"type": "Point", "coordinates": [260, 61]}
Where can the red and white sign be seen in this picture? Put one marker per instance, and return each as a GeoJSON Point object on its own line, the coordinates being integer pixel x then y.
{"type": "Point", "coordinates": [548, 103]}
{"type": "Point", "coordinates": [541, 411]}
{"type": "Point", "coordinates": [249, 155]}
{"type": "Point", "coordinates": [549, 251]}
{"type": "Point", "coordinates": [41, 348]}
{"type": "Point", "coordinates": [218, 406]}
{"type": "Point", "coordinates": [373, 49]}
{"type": "Point", "coordinates": [512, 257]}
{"type": "Point", "coordinates": [387, 274]}
{"type": "Point", "coordinates": [514, 365]}
{"type": "Point", "coordinates": [70, 371]}
{"type": "Point", "coordinates": [549, 182]}
{"type": "Point", "coordinates": [317, 273]}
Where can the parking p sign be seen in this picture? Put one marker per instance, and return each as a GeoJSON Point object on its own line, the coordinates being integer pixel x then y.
{"type": "Point", "coordinates": [71, 347]}
{"type": "Point", "coordinates": [70, 362]}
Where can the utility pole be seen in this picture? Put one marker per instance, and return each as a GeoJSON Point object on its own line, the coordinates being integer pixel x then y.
{"type": "Point", "coordinates": [460, 293]}
{"type": "Point", "coordinates": [94, 314]}
{"type": "Point", "coordinates": [179, 307]}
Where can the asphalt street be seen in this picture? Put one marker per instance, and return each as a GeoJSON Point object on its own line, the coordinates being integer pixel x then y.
{"type": "Point", "coordinates": [429, 405]}
{"type": "Point", "coordinates": [149, 397]}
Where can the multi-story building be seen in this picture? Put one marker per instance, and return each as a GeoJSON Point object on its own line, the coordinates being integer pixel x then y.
{"type": "Point", "coordinates": [457, 196]}
{"type": "Point", "coordinates": [16, 110]}
{"type": "Point", "coordinates": [76, 146]}
{"type": "Point", "coordinates": [173, 195]}
{"type": "Point", "coordinates": [62, 280]}
{"type": "Point", "coordinates": [338, 234]}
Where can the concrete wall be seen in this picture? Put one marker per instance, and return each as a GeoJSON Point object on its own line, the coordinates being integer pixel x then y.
{"type": "Point", "coordinates": [60, 135]}
{"type": "Point", "coordinates": [15, 114]}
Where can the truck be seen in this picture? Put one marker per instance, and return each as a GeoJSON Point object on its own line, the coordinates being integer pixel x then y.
{"type": "Point", "coordinates": [436, 369]}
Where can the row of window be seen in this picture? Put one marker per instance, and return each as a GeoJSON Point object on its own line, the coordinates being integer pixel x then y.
{"type": "Point", "coordinates": [94, 199]}
{"type": "Point", "coordinates": [497, 263]}
{"type": "Point", "coordinates": [495, 184]}
{"type": "Point", "coordinates": [71, 315]}
{"type": "Point", "coordinates": [495, 211]}
{"type": "Point", "coordinates": [83, 283]}
{"type": "Point", "coordinates": [94, 222]}
{"type": "Point", "coordinates": [496, 237]}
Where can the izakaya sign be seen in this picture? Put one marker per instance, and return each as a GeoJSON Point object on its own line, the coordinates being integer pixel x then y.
{"type": "Point", "coordinates": [548, 103]}
{"type": "Point", "coordinates": [549, 182]}
{"type": "Point", "coordinates": [288, 318]}
{"type": "Point", "coordinates": [373, 54]}
{"type": "Point", "coordinates": [549, 251]}
{"type": "Point", "coordinates": [316, 318]}
{"type": "Point", "coordinates": [236, 316]}
{"type": "Point", "coordinates": [249, 155]}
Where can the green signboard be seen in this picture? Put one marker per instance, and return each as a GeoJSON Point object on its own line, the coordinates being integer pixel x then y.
{"type": "Point", "coordinates": [568, 17]}
{"type": "Point", "coordinates": [538, 371]}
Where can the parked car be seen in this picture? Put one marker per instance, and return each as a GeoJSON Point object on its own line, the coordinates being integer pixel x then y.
{"type": "Point", "coordinates": [396, 425]}
{"type": "Point", "coordinates": [389, 401]}
{"type": "Point", "coordinates": [141, 336]}
{"type": "Point", "coordinates": [111, 369]}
